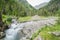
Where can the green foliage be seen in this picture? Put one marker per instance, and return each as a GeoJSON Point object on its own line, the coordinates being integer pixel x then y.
{"type": "Point", "coordinates": [58, 12]}
{"type": "Point", "coordinates": [58, 21]}
{"type": "Point", "coordinates": [4, 17]}
{"type": "Point", "coordinates": [21, 8]}
{"type": "Point", "coordinates": [9, 19]}
{"type": "Point", "coordinates": [53, 6]}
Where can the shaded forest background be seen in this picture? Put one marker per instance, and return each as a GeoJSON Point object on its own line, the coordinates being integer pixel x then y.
{"type": "Point", "coordinates": [21, 8]}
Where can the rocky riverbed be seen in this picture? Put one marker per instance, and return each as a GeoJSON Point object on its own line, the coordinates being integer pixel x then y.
{"type": "Point", "coordinates": [30, 27]}
{"type": "Point", "coordinates": [24, 31]}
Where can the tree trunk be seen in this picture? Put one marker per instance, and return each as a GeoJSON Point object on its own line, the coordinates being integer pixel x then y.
{"type": "Point", "coordinates": [3, 25]}
{"type": "Point", "coordinates": [1, 22]}
{"type": "Point", "coordinates": [0, 16]}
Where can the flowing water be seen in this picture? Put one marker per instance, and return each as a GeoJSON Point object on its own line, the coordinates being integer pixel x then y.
{"type": "Point", "coordinates": [13, 34]}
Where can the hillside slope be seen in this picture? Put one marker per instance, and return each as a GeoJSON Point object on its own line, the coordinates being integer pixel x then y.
{"type": "Point", "coordinates": [53, 8]}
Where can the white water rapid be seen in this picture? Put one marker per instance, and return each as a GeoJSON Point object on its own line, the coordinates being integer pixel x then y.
{"type": "Point", "coordinates": [12, 33]}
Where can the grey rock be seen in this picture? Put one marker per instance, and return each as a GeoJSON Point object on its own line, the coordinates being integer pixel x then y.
{"type": "Point", "coordinates": [2, 35]}
{"type": "Point", "coordinates": [56, 33]}
{"type": "Point", "coordinates": [31, 27]}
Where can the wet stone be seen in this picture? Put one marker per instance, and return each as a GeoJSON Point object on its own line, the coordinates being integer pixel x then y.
{"type": "Point", "coordinates": [2, 35]}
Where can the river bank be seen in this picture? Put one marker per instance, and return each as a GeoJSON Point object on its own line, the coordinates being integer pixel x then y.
{"type": "Point", "coordinates": [24, 31]}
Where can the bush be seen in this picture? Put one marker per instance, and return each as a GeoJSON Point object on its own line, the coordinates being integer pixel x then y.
{"type": "Point", "coordinates": [9, 19]}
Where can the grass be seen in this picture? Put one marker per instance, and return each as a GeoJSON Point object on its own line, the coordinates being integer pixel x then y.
{"type": "Point", "coordinates": [46, 36]}
{"type": "Point", "coordinates": [24, 19]}
{"type": "Point", "coordinates": [29, 18]}
{"type": "Point", "coordinates": [44, 33]}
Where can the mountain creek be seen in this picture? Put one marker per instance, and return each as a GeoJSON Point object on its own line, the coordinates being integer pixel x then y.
{"type": "Point", "coordinates": [29, 20]}
{"type": "Point", "coordinates": [24, 31]}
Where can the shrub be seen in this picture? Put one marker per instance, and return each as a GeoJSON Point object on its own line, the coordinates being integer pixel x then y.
{"type": "Point", "coordinates": [9, 19]}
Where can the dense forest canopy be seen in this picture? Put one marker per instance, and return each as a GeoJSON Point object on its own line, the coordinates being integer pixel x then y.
{"type": "Point", "coordinates": [53, 7]}
{"type": "Point", "coordinates": [21, 8]}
